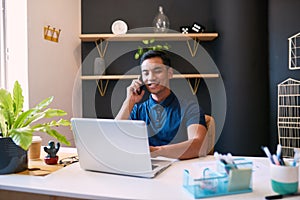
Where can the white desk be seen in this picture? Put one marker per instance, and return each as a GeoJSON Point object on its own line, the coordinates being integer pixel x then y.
{"type": "Point", "coordinates": [74, 182]}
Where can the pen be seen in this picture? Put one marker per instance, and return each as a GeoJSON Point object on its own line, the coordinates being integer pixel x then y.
{"type": "Point", "coordinates": [275, 158]}
{"type": "Point", "coordinates": [267, 152]}
{"type": "Point", "coordinates": [280, 196]}
{"type": "Point", "coordinates": [278, 150]}
{"type": "Point", "coordinates": [230, 160]}
{"type": "Point", "coordinates": [279, 155]}
{"type": "Point", "coordinates": [296, 156]}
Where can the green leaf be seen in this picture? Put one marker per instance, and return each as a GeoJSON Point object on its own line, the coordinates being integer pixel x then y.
{"type": "Point", "coordinates": [63, 122]}
{"type": "Point", "coordinates": [43, 104]}
{"type": "Point", "coordinates": [145, 41]}
{"type": "Point", "coordinates": [22, 136]}
{"type": "Point", "coordinates": [55, 134]}
{"type": "Point", "coordinates": [3, 126]}
{"type": "Point", "coordinates": [159, 46]}
{"type": "Point", "coordinates": [22, 118]}
{"type": "Point", "coordinates": [6, 101]}
{"type": "Point", "coordinates": [166, 47]}
{"type": "Point", "coordinates": [34, 118]}
{"type": "Point", "coordinates": [18, 98]}
{"type": "Point", "coordinates": [9, 118]}
{"type": "Point", "coordinates": [140, 51]}
{"type": "Point", "coordinates": [152, 41]}
{"type": "Point", "coordinates": [136, 56]}
{"type": "Point", "coordinates": [54, 113]}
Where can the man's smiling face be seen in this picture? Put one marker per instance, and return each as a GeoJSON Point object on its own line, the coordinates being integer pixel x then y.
{"type": "Point", "coordinates": [156, 75]}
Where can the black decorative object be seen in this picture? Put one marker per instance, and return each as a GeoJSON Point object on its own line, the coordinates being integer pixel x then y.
{"type": "Point", "coordinates": [185, 29]}
{"type": "Point", "coordinates": [13, 158]}
{"type": "Point", "coordinates": [197, 28]}
{"type": "Point", "coordinates": [51, 158]}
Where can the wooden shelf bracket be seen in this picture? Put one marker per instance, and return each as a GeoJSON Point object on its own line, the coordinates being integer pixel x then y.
{"type": "Point", "coordinates": [102, 88]}
{"type": "Point", "coordinates": [193, 50]}
{"type": "Point", "coordinates": [194, 88]}
{"type": "Point", "coordinates": [101, 50]}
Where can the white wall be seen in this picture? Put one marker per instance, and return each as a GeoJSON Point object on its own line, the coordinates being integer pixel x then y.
{"type": "Point", "coordinates": [49, 67]}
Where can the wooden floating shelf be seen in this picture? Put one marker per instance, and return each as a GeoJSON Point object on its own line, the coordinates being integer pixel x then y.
{"type": "Point", "coordinates": [145, 36]}
{"type": "Point", "coordinates": [123, 77]}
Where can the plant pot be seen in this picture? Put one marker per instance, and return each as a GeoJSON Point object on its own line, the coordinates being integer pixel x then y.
{"type": "Point", "coordinates": [13, 158]}
{"type": "Point", "coordinates": [51, 161]}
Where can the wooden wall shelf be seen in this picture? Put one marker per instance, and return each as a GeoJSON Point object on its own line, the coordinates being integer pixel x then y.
{"type": "Point", "coordinates": [100, 39]}
{"type": "Point", "coordinates": [145, 36]}
{"type": "Point", "coordinates": [123, 77]}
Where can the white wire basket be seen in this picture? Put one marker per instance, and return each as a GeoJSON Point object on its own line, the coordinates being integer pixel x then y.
{"type": "Point", "coordinates": [289, 116]}
{"type": "Point", "coordinates": [294, 52]}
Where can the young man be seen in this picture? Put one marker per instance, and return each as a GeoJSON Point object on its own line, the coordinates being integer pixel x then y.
{"type": "Point", "coordinates": [176, 126]}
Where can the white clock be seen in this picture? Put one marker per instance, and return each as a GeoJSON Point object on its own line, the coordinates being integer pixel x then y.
{"type": "Point", "coordinates": [119, 27]}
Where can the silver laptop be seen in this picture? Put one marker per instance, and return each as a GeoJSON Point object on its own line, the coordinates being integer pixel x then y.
{"type": "Point", "coordinates": [115, 146]}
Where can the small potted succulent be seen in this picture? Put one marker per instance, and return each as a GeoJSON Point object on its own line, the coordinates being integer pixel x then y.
{"type": "Point", "coordinates": [17, 127]}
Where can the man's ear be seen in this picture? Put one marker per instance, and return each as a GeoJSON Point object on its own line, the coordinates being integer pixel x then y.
{"type": "Point", "coordinates": [170, 72]}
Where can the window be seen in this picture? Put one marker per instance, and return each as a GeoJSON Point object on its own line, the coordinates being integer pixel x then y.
{"type": "Point", "coordinates": [2, 45]}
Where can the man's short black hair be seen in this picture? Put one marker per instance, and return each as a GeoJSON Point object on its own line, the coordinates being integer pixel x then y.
{"type": "Point", "coordinates": [152, 54]}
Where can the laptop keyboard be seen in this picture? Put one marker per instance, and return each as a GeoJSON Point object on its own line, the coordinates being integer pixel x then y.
{"type": "Point", "coordinates": [154, 166]}
{"type": "Point", "coordinates": [159, 163]}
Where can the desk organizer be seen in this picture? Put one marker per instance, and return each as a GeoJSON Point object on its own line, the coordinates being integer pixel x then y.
{"type": "Point", "coordinates": [225, 180]}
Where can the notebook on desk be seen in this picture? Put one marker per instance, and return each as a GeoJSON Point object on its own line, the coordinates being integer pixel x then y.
{"type": "Point", "coordinates": [115, 146]}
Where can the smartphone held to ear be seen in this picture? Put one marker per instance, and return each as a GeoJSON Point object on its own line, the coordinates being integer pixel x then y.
{"type": "Point", "coordinates": [139, 91]}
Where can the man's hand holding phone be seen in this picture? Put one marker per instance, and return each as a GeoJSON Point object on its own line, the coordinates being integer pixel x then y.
{"type": "Point", "coordinates": [135, 91]}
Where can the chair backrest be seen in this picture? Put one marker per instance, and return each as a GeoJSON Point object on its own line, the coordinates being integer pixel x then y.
{"type": "Point", "coordinates": [207, 147]}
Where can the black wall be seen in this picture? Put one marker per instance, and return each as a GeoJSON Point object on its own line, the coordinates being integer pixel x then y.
{"type": "Point", "coordinates": [242, 57]}
{"type": "Point", "coordinates": [283, 23]}
{"type": "Point", "coordinates": [250, 52]}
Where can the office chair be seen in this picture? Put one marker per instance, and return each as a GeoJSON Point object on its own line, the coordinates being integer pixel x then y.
{"type": "Point", "coordinates": [207, 147]}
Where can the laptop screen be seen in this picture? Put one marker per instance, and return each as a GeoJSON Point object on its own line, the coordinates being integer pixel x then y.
{"type": "Point", "coordinates": [116, 146]}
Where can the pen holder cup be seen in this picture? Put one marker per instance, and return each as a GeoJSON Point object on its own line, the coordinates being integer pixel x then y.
{"type": "Point", "coordinates": [284, 178]}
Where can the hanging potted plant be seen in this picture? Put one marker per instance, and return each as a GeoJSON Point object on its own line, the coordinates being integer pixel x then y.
{"type": "Point", "coordinates": [17, 127]}
{"type": "Point", "coordinates": [150, 45]}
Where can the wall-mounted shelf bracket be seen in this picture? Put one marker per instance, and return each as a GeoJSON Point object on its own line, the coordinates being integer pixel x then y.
{"type": "Point", "coordinates": [194, 88]}
{"type": "Point", "coordinates": [101, 50]}
{"type": "Point", "coordinates": [194, 47]}
{"type": "Point", "coordinates": [102, 87]}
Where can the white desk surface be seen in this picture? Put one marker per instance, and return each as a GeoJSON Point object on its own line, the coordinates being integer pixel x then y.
{"type": "Point", "coordinates": [72, 181]}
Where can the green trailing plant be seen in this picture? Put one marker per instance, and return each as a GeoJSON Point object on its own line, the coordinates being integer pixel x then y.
{"type": "Point", "coordinates": [150, 46]}
{"type": "Point", "coordinates": [20, 125]}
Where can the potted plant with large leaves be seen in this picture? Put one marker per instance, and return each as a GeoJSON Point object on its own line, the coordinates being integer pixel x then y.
{"type": "Point", "coordinates": [17, 127]}
{"type": "Point", "coordinates": [150, 45]}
